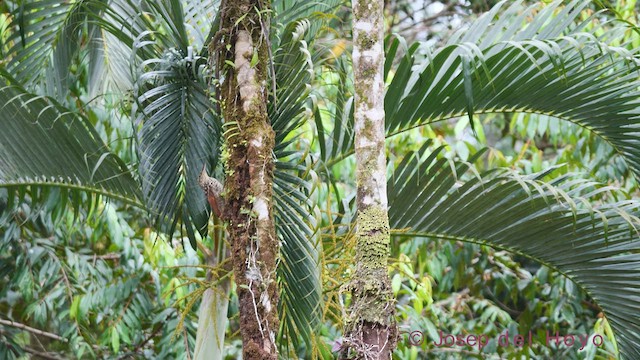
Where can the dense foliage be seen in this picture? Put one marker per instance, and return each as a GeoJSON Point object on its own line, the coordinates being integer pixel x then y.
{"type": "Point", "coordinates": [523, 220]}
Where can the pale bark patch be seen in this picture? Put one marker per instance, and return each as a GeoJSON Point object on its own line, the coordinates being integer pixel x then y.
{"type": "Point", "coordinates": [372, 54]}
{"type": "Point", "coordinates": [247, 85]}
{"type": "Point", "coordinates": [375, 114]}
{"type": "Point", "coordinates": [261, 209]}
{"type": "Point", "coordinates": [257, 142]}
{"type": "Point", "coordinates": [365, 26]}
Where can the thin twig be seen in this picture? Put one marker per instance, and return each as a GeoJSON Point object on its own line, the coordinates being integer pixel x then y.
{"type": "Point", "coordinates": [186, 343]}
{"type": "Point", "coordinates": [141, 344]}
{"type": "Point", "coordinates": [43, 355]}
{"type": "Point", "coordinates": [64, 276]}
{"type": "Point", "coordinates": [32, 330]}
{"type": "Point", "coordinates": [112, 256]}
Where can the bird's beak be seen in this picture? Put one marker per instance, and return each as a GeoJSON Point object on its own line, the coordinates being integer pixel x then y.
{"type": "Point", "coordinates": [203, 173]}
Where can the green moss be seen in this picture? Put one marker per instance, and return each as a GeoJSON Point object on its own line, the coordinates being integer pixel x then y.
{"type": "Point", "coordinates": [371, 298]}
{"type": "Point", "coordinates": [369, 73]}
{"type": "Point", "coordinates": [369, 167]}
{"type": "Point", "coordinates": [372, 295]}
{"type": "Point", "coordinates": [373, 238]}
{"type": "Point", "coordinates": [365, 11]}
{"type": "Point", "coordinates": [366, 74]}
{"type": "Point", "coordinates": [362, 94]}
{"type": "Point", "coordinates": [365, 41]}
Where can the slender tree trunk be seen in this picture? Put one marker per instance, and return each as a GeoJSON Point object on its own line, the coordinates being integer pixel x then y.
{"type": "Point", "coordinates": [243, 58]}
{"type": "Point", "coordinates": [370, 331]}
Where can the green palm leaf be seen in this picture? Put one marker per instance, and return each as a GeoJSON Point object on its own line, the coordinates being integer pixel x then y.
{"type": "Point", "coordinates": [112, 31]}
{"type": "Point", "coordinates": [299, 271]}
{"type": "Point", "coordinates": [178, 132]}
{"type": "Point", "coordinates": [530, 60]}
{"type": "Point", "coordinates": [546, 68]}
{"type": "Point", "coordinates": [290, 11]}
{"type": "Point", "coordinates": [45, 39]}
{"type": "Point", "coordinates": [45, 145]}
{"type": "Point", "coordinates": [597, 248]}
{"type": "Point", "coordinates": [338, 143]}
{"type": "Point", "coordinates": [199, 17]}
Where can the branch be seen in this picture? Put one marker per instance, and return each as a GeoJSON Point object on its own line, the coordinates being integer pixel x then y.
{"type": "Point", "coordinates": [141, 344]}
{"type": "Point", "coordinates": [512, 312]}
{"type": "Point", "coordinates": [32, 330]}
{"type": "Point", "coordinates": [40, 354]}
{"type": "Point", "coordinates": [110, 256]}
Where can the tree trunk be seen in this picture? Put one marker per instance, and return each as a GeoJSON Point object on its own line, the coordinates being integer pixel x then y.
{"type": "Point", "coordinates": [249, 141]}
{"type": "Point", "coordinates": [370, 331]}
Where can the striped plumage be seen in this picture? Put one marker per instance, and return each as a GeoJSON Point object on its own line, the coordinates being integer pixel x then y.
{"type": "Point", "coordinates": [213, 190]}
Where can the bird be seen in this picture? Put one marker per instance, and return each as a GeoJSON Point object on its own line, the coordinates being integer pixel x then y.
{"type": "Point", "coordinates": [213, 190]}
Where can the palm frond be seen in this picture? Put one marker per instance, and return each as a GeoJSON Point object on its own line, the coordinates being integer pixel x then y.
{"type": "Point", "coordinates": [597, 247]}
{"type": "Point", "coordinates": [290, 11]}
{"type": "Point", "coordinates": [336, 143]}
{"type": "Point", "coordinates": [45, 145]}
{"type": "Point", "coordinates": [178, 132]}
{"type": "Point", "coordinates": [298, 271]}
{"type": "Point", "coordinates": [113, 29]}
{"type": "Point", "coordinates": [199, 17]}
{"type": "Point", "coordinates": [294, 69]}
{"type": "Point", "coordinates": [551, 66]}
{"type": "Point", "coordinates": [44, 40]}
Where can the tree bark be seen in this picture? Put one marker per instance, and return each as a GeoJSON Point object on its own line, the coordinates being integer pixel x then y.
{"type": "Point", "coordinates": [370, 331]}
{"type": "Point", "coordinates": [248, 148]}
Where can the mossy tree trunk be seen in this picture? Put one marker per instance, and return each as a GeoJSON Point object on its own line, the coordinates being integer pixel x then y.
{"type": "Point", "coordinates": [243, 58]}
{"type": "Point", "coordinates": [370, 331]}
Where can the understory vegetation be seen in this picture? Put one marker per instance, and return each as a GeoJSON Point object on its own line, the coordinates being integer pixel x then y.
{"type": "Point", "coordinates": [512, 147]}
